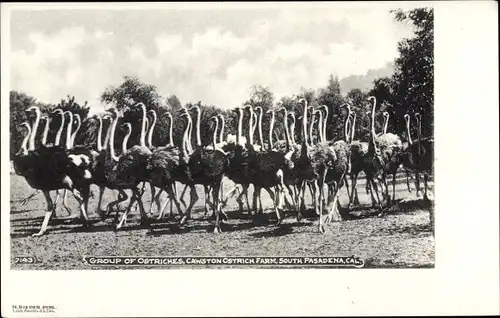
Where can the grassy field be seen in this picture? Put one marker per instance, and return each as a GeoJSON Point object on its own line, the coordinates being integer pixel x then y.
{"type": "Point", "coordinates": [401, 238]}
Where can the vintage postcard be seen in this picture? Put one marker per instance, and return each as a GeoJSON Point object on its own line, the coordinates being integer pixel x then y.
{"type": "Point", "coordinates": [231, 143]}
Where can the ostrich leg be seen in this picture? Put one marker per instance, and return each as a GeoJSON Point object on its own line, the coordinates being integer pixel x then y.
{"type": "Point", "coordinates": [50, 209]}
{"type": "Point", "coordinates": [194, 199]}
{"type": "Point", "coordinates": [426, 179]}
{"type": "Point", "coordinates": [417, 183]}
{"type": "Point", "coordinates": [65, 202]}
{"type": "Point", "coordinates": [216, 206]}
{"type": "Point", "coordinates": [182, 195]}
{"type": "Point", "coordinates": [100, 211]}
{"type": "Point", "coordinates": [354, 192]}
{"type": "Point", "coordinates": [394, 187]}
{"type": "Point", "coordinates": [408, 176]}
{"type": "Point", "coordinates": [349, 193]}
{"type": "Point", "coordinates": [318, 195]}
{"type": "Point", "coordinates": [122, 196]}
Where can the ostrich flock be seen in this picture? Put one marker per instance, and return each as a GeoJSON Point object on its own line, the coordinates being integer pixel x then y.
{"type": "Point", "coordinates": [286, 168]}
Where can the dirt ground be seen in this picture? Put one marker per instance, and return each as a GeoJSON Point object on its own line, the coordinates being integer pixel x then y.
{"type": "Point", "coordinates": [402, 238]}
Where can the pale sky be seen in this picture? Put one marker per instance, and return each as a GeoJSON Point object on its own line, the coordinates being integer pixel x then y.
{"type": "Point", "coordinates": [208, 55]}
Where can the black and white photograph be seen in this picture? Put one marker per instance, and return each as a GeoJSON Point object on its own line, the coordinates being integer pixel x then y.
{"type": "Point", "coordinates": [228, 137]}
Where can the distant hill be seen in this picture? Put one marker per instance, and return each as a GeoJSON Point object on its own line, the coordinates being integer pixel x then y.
{"type": "Point", "coordinates": [365, 82]}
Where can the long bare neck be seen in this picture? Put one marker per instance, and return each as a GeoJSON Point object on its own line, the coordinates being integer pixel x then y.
{"type": "Point", "coordinates": [292, 129]}
{"type": "Point", "coordinates": [186, 137]}
{"type": "Point", "coordinates": [222, 126]}
{"type": "Point", "coordinates": [76, 130]}
{"type": "Point", "coordinates": [150, 133]}
{"type": "Point", "coordinates": [112, 139]}
{"type": "Point", "coordinates": [24, 144]}
{"type": "Point", "coordinates": [45, 131]}
{"type": "Point", "coordinates": [198, 120]}
{"type": "Point", "coordinates": [271, 128]}
{"type": "Point", "coordinates": [68, 130]}
{"type": "Point", "coordinates": [189, 145]}
{"type": "Point", "coordinates": [99, 133]}
{"type": "Point", "coordinates": [386, 123]}
{"type": "Point", "coordinates": [346, 128]}
{"type": "Point", "coordinates": [304, 124]}
{"type": "Point", "coordinates": [125, 139]}
{"type": "Point", "coordinates": [250, 127]}
{"type": "Point", "coordinates": [240, 126]}
{"type": "Point", "coordinates": [59, 132]}
{"type": "Point", "coordinates": [108, 135]}
{"type": "Point", "coordinates": [34, 129]}
{"type": "Point", "coordinates": [353, 126]}
{"type": "Point", "coordinates": [373, 123]}
{"type": "Point", "coordinates": [170, 130]}
{"type": "Point", "coordinates": [320, 127]}
{"type": "Point", "coordinates": [311, 128]}
{"type": "Point", "coordinates": [214, 137]}
{"type": "Point", "coordinates": [143, 126]}
{"type": "Point", "coordinates": [408, 130]}
{"type": "Point", "coordinates": [261, 136]}
{"type": "Point", "coordinates": [325, 120]}
{"type": "Point", "coordinates": [287, 135]}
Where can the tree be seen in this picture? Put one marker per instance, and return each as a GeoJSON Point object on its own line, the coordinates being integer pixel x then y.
{"type": "Point", "coordinates": [174, 102]}
{"type": "Point", "coordinates": [263, 97]}
{"type": "Point", "coordinates": [126, 96]}
{"type": "Point", "coordinates": [414, 69]}
{"type": "Point", "coordinates": [330, 96]}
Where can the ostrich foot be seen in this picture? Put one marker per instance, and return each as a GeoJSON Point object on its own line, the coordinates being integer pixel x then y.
{"type": "Point", "coordinates": [278, 222]}
{"type": "Point", "coordinates": [321, 229]}
{"type": "Point", "coordinates": [183, 220]}
{"type": "Point", "coordinates": [217, 229]}
{"type": "Point", "coordinates": [299, 216]}
{"type": "Point", "coordinates": [40, 233]}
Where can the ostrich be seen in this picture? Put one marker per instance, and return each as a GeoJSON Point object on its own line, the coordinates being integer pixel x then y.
{"type": "Point", "coordinates": [123, 172]}
{"type": "Point", "coordinates": [205, 167]}
{"type": "Point", "coordinates": [423, 152]}
{"type": "Point", "coordinates": [392, 150]}
{"type": "Point", "coordinates": [312, 163]}
{"type": "Point", "coordinates": [384, 156]}
{"type": "Point", "coordinates": [54, 168]}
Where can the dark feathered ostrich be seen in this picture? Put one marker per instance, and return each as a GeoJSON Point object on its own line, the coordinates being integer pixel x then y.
{"type": "Point", "coordinates": [384, 156]}
{"type": "Point", "coordinates": [312, 163]}
{"type": "Point", "coordinates": [418, 157]}
{"type": "Point", "coordinates": [54, 168]}
{"type": "Point", "coordinates": [124, 172]}
{"type": "Point", "coordinates": [162, 167]}
{"type": "Point", "coordinates": [205, 167]}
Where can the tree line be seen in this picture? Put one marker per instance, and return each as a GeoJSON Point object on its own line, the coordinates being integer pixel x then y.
{"type": "Point", "coordinates": [410, 89]}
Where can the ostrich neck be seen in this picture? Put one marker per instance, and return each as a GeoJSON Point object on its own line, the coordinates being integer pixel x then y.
{"type": "Point", "coordinates": [108, 134]}
{"type": "Point", "coordinates": [214, 139]}
{"type": "Point", "coordinates": [408, 132]}
{"type": "Point", "coordinates": [112, 139]}
{"type": "Point", "coordinates": [34, 129]}
{"type": "Point", "coordinates": [198, 120]}
{"type": "Point", "coordinates": [68, 131]}
{"type": "Point", "coordinates": [189, 145]}
{"type": "Point", "coordinates": [271, 127]}
{"type": "Point", "coordinates": [73, 136]}
{"type": "Point", "coordinates": [373, 124]}
{"type": "Point", "coordinates": [261, 137]}
{"type": "Point", "coordinates": [186, 136]}
{"type": "Point", "coordinates": [287, 136]}
{"type": "Point", "coordinates": [311, 128]}
{"type": "Point", "coordinates": [324, 123]}
{"type": "Point", "coordinates": [320, 127]}
{"type": "Point", "coordinates": [250, 127]}
{"type": "Point", "coordinates": [125, 140]}
{"type": "Point", "coordinates": [59, 132]}
{"type": "Point", "coordinates": [346, 128]}
{"type": "Point", "coordinates": [45, 132]}
{"type": "Point", "coordinates": [304, 124]}
{"type": "Point", "coordinates": [150, 133]}
{"type": "Point", "coordinates": [99, 134]}
{"type": "Point", "coordinates": [353, 127]}
{"type": "Point", "coordinates": [292, 130]}
{"type": "Point", "coordinates": [143, 127]}
{"type": "Point", "coordinates": [222, 126]}
{"type": "Point", "coordinates": [170, 130]}
{"type": "Point", "coordinates": [24, 144]}
{"type": "Point", "coordinates": [386, 123]}
{"type": "Point", "coordinates": [240, 126]}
